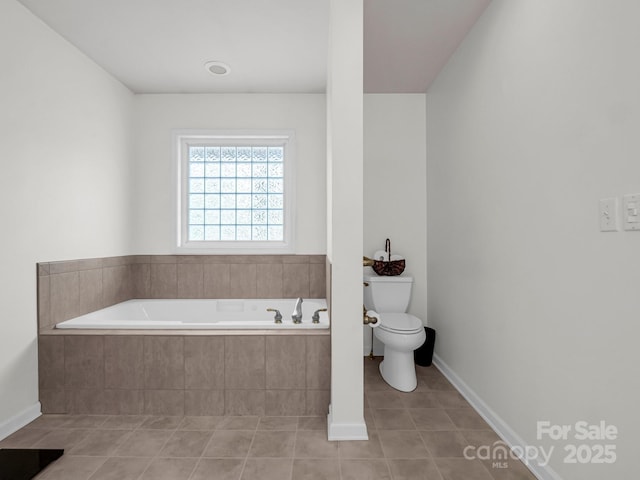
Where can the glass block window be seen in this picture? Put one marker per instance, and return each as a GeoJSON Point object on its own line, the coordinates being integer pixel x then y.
{"type": "Point", "coordinates": [235, 190]}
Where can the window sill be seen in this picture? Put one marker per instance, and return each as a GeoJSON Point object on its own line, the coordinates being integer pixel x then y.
{"type": "Point", "coordinates": [235, 248]}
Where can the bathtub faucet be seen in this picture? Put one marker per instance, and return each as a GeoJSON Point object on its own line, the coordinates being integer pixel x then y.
{"type": "Point", "coordinates": [296, 316]}
{"type": "Point", "coordinates": [277, 318]}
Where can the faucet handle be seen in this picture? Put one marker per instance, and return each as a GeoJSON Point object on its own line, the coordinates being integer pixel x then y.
{"type": "Point", "coordinates": [277, 317]}
{"type": "Point", "coordinates": [316, 315]}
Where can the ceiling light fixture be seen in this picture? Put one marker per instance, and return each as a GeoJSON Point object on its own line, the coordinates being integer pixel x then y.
{"type": "Point", "coordinates": [217, 69]}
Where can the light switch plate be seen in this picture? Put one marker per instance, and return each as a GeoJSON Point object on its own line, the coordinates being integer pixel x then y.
{"type": "Point", "coordinates": [609, 214]}
{"type": "Point", "coordinates": [631, 211]}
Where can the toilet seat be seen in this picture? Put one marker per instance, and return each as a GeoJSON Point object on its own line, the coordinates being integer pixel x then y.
{"type": "Point", "coordinates": [400, 323]}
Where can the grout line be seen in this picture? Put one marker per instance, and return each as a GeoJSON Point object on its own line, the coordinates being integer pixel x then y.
{"type": "Point", "coordinates": [149, 460]}
{"type": "Point", "coordinates": [97, 468]}
{"type": "Point", "coordinates": [195, 467]}
{"type": "Point", "coordinates": [246, 457]}
{"type": "Point", "coordinates": [295, 444]}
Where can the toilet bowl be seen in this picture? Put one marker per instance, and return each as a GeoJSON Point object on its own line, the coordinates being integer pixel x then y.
{"type": "Point", "coordinates": [399, 332]}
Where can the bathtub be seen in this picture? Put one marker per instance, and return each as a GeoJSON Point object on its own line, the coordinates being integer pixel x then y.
{"type": "Point", "coordinates": [181, 314]}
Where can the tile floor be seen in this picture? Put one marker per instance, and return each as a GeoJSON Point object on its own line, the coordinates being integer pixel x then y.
{"type": "Point", "coordinates": [419, 435]}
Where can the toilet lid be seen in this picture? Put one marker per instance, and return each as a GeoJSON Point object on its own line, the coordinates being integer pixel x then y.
{"type": "Point", "coordinates": [400, 323]}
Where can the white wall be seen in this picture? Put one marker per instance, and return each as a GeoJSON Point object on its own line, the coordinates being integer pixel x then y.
{"type": "Point", "coordinates": [157, 115]}
{"type": "Point", "coordinates": [64, 188]}
{"type": "Point", "coordinates": [534, 119]}
{"type": "Point", "coordinates": [395, 187]}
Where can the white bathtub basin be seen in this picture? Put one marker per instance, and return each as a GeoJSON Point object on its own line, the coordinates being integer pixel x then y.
{"type": "Point", "coordinates": [179, 314]}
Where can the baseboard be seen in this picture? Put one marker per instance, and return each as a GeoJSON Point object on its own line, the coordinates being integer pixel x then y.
{"type": "Point", "coordinates": [15, 423]}
{"type": "Point", "coordinates": [508, 435]}
{"type": "Point", "coordinates": [345, 431]}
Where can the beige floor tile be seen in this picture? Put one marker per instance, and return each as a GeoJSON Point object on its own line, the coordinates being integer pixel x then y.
{"type": "Point", "coordinates": [169, 469]}
{"type": "Point", "coordinates": [273, 444]}
{"type": "Point", "coordinates": [278, 423]}
{"type": "Point", "coordinates": [85, 421]}
{"type": "Point", "coordinates": [449, 399]}
{"type": "Point", "coordinates": [402, 444]}
{"type": "Point", "coordinates": [362, 449]}
{"type": "Point", "coordinates": [64, 438]}
{"type": "Point", "coordinates": [414, 469]}
{"type": "Point", "coordinates": [100, 443]}
{"type": "Point", "coordinates": [392, 419]}
{"type": "Point", "coordinates": [316, 469]}
{"type": "Point", "coordinates": [267, 469]}
{"type": "Point", "coordinates": [444, 443]}
{"type": "Point", "coordinates": [24, 438]}
{"type": "Point", "coordinates": [218, 469]}
{"type": "Point", "coordinates": [421, 400]}
{"type": "Point", "coordinates": [372, 365]}
{"type": "Point", "coordinates": [186, 443]}
{"type": "Point", "coordinates": [50, 421]}
{"type": "Point", "coordinates": [467, 419]}
{"type": "Point", "coordinates": [369, 469]}
{"type": "Point", "coordinates": [117, 468]}
{"type": "Point", "coordinates": [229, 443]}
{"type": "Point", "coordinates": [161, 423]}
{"type": "Point", "coordinates": [314, 444]}
{"type": "Point", "coordinates": [239, 423]}
{"type": "Point", "coordinates": [431, 419]}
{"type": "Point", "coordinates": [124, 422]}
{"type": "Point", "coordinates": [462, 469]}
{"type": "Point", "coordinates": [312, 423]}
{"type": "Point", "coordinates": [376, 384]}
{"type": "Point", "coordinates": [371, 368]}
{"type": "Point", "coordinates": [143, 443]}
{"type": "Point", "coordinates": [427, 371]}
{"type": "Point", "coordinates": [369, 419]}
{"type": "Point", "coordinates": [72, 468]}
{"type": "Point", "coordinates": [432, 382]}
{"type": "Point", "coordinates": [384, 399]}
{"type": "Point", "coordinates": [200, 423]}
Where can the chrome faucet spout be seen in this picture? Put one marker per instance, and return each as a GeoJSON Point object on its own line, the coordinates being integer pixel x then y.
{"type": "Point", "coordinates": [296, 316]}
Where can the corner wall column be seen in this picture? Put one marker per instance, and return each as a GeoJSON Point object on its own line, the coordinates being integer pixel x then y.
{"type": "Point", "coordinates": [345, 218]}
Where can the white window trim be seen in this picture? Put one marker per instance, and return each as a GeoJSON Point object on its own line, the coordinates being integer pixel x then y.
{"type": "Point", "coordinates": [181, 140]}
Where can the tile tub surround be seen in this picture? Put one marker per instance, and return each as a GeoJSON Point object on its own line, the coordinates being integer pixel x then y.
{"type": "Point", "coordinates": [71, 288]}
{"type": "Point", "coordinates": [194, 375]}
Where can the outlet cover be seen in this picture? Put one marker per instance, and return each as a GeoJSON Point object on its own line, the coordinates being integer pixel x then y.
{"type": "Point", "coordinates": [631, 211]}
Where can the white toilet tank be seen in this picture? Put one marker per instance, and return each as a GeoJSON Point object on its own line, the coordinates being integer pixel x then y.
{"type": "Point", "coordinates": [387, 294]}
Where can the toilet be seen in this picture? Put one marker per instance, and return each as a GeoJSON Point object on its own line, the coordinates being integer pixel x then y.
{"type": "Point", "coordinates": [399, 332]}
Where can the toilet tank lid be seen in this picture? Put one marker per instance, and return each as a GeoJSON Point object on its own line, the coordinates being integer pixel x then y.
{"type": "Point", "coordinates": [390, 279]}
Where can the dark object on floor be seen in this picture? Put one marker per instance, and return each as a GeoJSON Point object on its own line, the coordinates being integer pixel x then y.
{"type": "Point", "coordinates": [24, 464]}
{"type": "Point", "coordinates": [424, 354]}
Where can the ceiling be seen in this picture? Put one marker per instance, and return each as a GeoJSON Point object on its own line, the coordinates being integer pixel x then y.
{"type": "Point", "coordinates": [161, 46]}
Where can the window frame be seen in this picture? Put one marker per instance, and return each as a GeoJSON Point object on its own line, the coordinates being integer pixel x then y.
{"type": "Point", "coordinates": [183, 139]}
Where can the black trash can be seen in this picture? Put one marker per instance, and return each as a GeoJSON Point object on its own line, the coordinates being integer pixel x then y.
{"type": "Point", "coordinates": [424, 354]}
